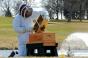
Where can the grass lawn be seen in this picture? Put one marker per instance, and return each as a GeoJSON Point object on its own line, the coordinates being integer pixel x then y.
{"type": "Point", "coordinates": [8, 37]}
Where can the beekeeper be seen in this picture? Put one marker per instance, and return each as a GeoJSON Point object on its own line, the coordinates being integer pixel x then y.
{"type": "Point", "coordinates": [23, 24]}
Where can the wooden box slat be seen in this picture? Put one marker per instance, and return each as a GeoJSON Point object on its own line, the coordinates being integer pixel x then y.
{"type": "Point", "coordinates": [35, 38]}
{"type": "Point", "coordinates": [48, 39]}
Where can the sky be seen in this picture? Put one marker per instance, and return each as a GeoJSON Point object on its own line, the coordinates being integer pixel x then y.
{"type": "Point", "coordinates": [38, 0]}
{"type": "Point", "coordinates": [36, 3]}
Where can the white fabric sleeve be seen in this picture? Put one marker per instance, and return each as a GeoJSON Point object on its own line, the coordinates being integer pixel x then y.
{"type": "Point", "coordinates": [29, 28]}
{"type": "Point", "coordinates": [31, 24]}
{"type": "Point", "coordinates": [17, 25]}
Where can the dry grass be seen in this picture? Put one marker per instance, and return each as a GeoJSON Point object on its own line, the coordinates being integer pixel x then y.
{"type": "Point", "coordinates": [63, 29]}
{"type": "Point", "coordinates": [8, 37]}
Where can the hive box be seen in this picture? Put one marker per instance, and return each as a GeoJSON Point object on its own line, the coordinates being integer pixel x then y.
{"type": "Point", "coordinates": [47, 39]}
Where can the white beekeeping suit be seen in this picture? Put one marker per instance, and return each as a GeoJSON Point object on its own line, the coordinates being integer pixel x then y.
{"type": "Point", "coordinates": [23, 26]}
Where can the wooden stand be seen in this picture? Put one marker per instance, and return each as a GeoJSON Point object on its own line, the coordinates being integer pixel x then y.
{"type": "Point", "coordinates": [39, 50]}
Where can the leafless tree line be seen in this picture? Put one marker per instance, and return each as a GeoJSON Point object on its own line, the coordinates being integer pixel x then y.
{"type": "Point", "coordinates": [72, 9]}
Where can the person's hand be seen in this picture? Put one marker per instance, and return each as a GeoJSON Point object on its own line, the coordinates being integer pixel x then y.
{"type": "Point", "coordinates": [34, 21]}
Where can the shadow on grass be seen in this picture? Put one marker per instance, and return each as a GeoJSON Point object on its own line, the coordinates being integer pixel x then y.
{"type": "Point", "coordinates": [3, 48]}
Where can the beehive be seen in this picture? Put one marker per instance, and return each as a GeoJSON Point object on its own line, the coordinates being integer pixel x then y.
{"type": "Point", "coordinates": [47, 39]}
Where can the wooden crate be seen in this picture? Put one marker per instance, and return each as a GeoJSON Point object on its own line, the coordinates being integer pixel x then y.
{"type": "Point", "coordinates": [48, 39]}
{"type": "Point", "coordinates": [35, 38]}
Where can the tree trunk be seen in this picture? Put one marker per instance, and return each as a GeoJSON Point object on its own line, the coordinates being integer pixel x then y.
{"type": "Point", "coordinates": [50, 15]}
{"type": "Point", "coordinates": [57, 8]}
{"type": "Point", "coordinates": [8, 13]}
{"type": "Point", "coordinates": [69, 17]}
{"type": "Point", "coordinates": [87, 14]}
{"type": "Point", "coordinates": [80, 11]}
{"type": "Point", "coordinates": [57, 15]}
{"type": "Point", "coordinates": [61, 14]}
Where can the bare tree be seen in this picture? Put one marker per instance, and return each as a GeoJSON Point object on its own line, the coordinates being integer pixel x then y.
{"type": "Point", "coordinates": [69, 8]}
{"type": "Point", "coordinates": [86, 8]}
{"type": "Point", "coordinates": [17, 3]}
{"type": "Point", "coordinates": [48, 5]}
{"type": "Point", "coordinates": [9, 7]}
{"type": "Point", "coordinates": [16, 6]}
{"type": "Point", "coordinates": [53, 7]}
{"type": "Point", "coordinates": [75, 8]}
{"type": "Point", "coordinates": [5, 7]}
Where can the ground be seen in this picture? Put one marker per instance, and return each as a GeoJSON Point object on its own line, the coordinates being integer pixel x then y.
{"type": "Point", "coordinates": [8, 37]}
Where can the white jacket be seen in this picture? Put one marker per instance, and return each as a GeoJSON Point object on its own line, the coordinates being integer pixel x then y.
{"type": "Point", "coordinates": [23, 26]}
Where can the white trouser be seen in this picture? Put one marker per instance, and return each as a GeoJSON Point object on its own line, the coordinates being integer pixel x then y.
{"type": "Point", "coordinates": [22, 50]}
{"type": "Point", "coordinates": [22, 40]}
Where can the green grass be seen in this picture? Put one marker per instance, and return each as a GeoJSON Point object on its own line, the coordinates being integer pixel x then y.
{"type": "Point", "coordinates": [8, 37]}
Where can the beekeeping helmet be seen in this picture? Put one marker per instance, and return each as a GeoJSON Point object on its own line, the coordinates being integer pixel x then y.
{"type": "Point", "coordinates": [25, 10]}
